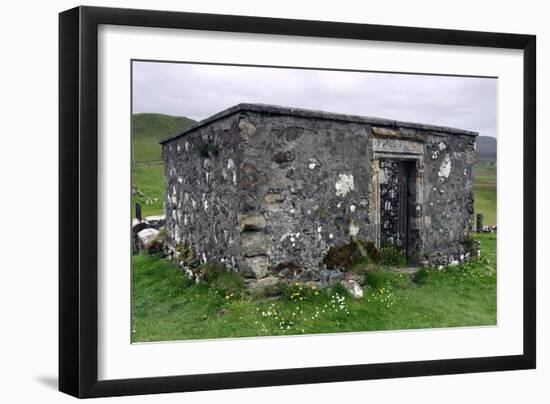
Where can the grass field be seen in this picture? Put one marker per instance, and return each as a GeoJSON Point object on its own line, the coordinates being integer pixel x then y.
{"type": "Point", "coordinates": [149, 179]}
{"type": "Point", "coordinates": [485, 191]}
{"type": "Point", "coordinates": [166, 307]}
{"type": "Point", "coordinates": [147, 169]}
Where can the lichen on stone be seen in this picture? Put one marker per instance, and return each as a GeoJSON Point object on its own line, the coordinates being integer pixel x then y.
{"type": "Point", "coordinates": [344, 184]}
{"type": "Point", "coordinates": [445, 167]}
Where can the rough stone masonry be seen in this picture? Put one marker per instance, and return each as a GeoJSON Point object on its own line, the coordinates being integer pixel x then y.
{"type": "Point", "coordinates": [258, 187]}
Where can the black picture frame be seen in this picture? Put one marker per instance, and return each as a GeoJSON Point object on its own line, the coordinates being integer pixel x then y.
{"type": "Point", "coordinates": [78, 206]}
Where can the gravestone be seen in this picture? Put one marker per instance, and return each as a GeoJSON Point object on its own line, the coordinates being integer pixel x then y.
{"type": "Point", "coordinates": [138, 211]}
{"type": "Point", "coordinates": [479, 222]}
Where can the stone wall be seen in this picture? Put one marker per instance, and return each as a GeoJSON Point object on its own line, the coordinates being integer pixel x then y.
{"type": "Point", "coordinates": [309, 180]}
{"type": "Point", "coordinates": [448, 210]}
{"type": "Point", "coordinates": [266, 189]}
{"type": "Point", "coordinates": [201, 200]}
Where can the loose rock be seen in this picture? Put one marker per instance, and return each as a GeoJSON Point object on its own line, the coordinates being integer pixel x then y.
{"type": "Point", "coordinates": [147, 238]}
{"type": "Point", "coordinates": [354, 289]}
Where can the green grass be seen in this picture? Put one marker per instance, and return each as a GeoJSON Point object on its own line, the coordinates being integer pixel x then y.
{"type": "Point", "coordinates": [150, 129]}
{"type": "Point", "coordinates": [485, 192]}
{"type": "Point", "coordinates": [147, 167]}
{"type": "Point", "coordinates": [167, 307]}
{"type": "Point", "coordinates": [149, 179]}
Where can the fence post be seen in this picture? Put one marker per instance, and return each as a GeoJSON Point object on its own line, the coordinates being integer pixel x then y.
{"type": "Point", "coordinates": [138, 211]}
{"type": "Point", "coordinates": [479, 223]}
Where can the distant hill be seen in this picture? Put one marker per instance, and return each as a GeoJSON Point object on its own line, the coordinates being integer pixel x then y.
{"type": "Point", "coordinates": [486, 148]}
{"type": "Point", "coordinates": [149, 129]}
{"type": "Point", "coordinates": [148, 170]}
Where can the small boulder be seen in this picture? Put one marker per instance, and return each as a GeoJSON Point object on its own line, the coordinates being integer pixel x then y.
{"type": "Point", "coordinates": [354, 289]}
{"type": "Point", "coordinates": [147, 238]}
{"type": "Point", "coordinates": [156, 222]}
{"type": "Point", "coordinates": [355, 276]}
{"type": "Point", "coordinates": [139, 225]}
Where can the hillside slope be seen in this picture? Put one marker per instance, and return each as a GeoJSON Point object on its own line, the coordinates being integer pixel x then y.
{"type": "Point", "coordinates": [147, 168]}
{"type": "Point", "coordinates": [149, 129]}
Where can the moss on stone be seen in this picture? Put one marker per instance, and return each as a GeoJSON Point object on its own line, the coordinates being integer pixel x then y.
{"type": "Point", "coordinates": [322, 214]}
{"type": "Point", "coordinates": [208, 150]}
{"type": "Point", "coordinates": [348, 255]}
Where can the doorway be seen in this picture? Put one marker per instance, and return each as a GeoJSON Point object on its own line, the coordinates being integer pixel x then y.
{"type": "Point", "coordinates": [397, 203]}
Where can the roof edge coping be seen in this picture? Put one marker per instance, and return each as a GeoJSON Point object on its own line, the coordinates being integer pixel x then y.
{"type": "Point", "coordinates": [309, 113]}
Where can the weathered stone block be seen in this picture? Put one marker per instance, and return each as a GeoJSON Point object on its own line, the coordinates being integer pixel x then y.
{"type": "Point", "coordinates": [254, 243]}
{"type": "Point", "coordinates": [273, 201]}
{"type": "Point", "coordinates": [246, 129]}
{"type": "Point", "coordinates": [397, 146]}
{"type": "Point", "coordinates": [385, 131]}
{"type": "Point", "coordinates": [274, 197]}
{"type": "Point", "coordinates": [258, 284]}
{"type": "Point", "coordinates": [254, 267]}
{"type": "Point", "coordinates": [284, 157]}
{"type": "Point", "coordinates": [251, 223]}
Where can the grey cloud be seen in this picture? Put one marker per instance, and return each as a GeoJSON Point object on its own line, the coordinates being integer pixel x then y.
{"type": "Point", "coordinates": [198, 91]}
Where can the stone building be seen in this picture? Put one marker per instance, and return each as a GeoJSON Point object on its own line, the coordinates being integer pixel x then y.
{"type": "Point", "coordinates": [259, 186]}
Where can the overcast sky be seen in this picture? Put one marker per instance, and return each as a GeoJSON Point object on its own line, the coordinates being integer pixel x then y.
{"type": "Point", "coordinates": [198, 91]}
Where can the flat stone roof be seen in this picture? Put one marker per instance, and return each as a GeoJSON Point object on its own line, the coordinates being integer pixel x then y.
{"type": "Point", "coordinates": [309, 113]}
